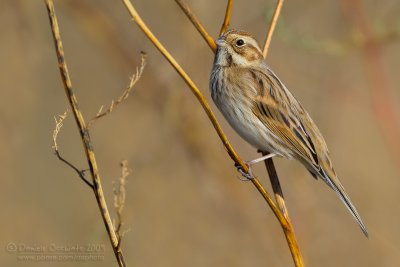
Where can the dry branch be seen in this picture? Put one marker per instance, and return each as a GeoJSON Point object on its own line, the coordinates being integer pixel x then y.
{"type": "Point", "coordinates": [232, 153]}
{"type": "Point", "coordinates": [85, 136]}
{"type": "Point", "coordinates": [269, 163]}
{"type": "Point", "coordinates": [285, 224]}
{"type": "Point", "coordinates": [287, 228]}
{"type": "Point", "coordinates": [280, 200]}
{"type": "Point", "coordinates": [119, 198]}
{"type": "Point", "coordinates": [57, 129]}
{"type": "Point", "coordinates": [209, 40]}
{"type": "Point", "coordinates": [125, 94]}
{"type": "Point", "coordinates": [272, 27]}
{"type": "Point", "coordinates": [227, 18]}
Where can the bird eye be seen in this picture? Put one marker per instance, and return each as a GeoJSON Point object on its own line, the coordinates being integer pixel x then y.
{"type": "Point", "coordinates": [239, 42]}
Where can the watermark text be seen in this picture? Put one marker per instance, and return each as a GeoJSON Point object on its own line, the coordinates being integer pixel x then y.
{"type": "Point", "coordinates": [53, 252]}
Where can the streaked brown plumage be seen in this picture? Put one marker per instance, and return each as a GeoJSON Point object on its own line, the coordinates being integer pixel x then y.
{"type": "Point", "coordinates": [264, 113]}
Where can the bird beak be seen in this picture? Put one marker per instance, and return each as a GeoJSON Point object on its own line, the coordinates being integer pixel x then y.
{"type": "Point", "coordinates": [220, 41]}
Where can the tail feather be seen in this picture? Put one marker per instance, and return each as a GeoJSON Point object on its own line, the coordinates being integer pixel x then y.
{"type": "Point", "coordinates": [339, 189]}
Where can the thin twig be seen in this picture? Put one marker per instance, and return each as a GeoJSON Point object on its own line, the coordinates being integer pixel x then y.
{"type": "Point", "coordinates": [197, 24]}
{"type": "Point", "coordinates": [188, 81]}
{"type": "Point", "coordinates": [125, 93]}
{"type": "Point", "coordinates": [280, 200]}
{"type": "Point", "coordinates": [119, 198]}
{"type": "Point", "coordinates": [84, 132]}
{"type": "Point", "coordinates": [227, 18]}
{"type": "Point", "coordinates": [232, 153]}
{"type": "Point", "coordinates": [272, 27]}
{"type": "Point", "coordinates": [288, 229]}
{"type": "Point", "coordinates": [57, 129]}
{"type": "Point", "coordinates": [285, 224]}
{"type": "Point", "coordinates": [269, 163]}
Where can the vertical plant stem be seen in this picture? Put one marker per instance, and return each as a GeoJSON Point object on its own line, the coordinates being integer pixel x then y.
{"type": "Point", "coordinates": [269, 163]}
{"type": "Point", "coordinates": [84, 132]}
{"type": "Point", "coordinates": [200, 28]}
{"type": "Point", "coordinates": [280, 200]}
{"type": "Point", "coordinates": [227, 18]}
{"type": "Point", "coordinates": [232, 153]}
{"type": "Point", "coordinates": [284, 222]}
{"type": "Point", "coordinates": [272, 27]}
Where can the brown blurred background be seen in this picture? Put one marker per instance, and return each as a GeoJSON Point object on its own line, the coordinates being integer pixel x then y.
{"type": "Point", "coordinates": [185, 204]}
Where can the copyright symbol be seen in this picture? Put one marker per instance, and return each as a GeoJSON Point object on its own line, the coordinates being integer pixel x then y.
{"type": "Point", "coordinates": [11, 247]}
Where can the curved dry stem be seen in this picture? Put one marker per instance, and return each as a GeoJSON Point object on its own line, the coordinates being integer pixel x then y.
{"type": "Point", "coordinates": [197, 24]}
{"type": "Point", "coordinates": [125, 94]}
{"type": "Point", "coordinates": [288, 229]}
{"type": "Point", "coordinates": [119, 199]}
{"type": "Point", "coordinates": [280, 200]}
{"type": "Point", "coordinates": [232, 153]}
{"type": "Point", "coordinates": [272, 27]}
{"type": "Point", "coordinates": [187, 79]}
{"type": "Point", "coordinates": [56, 131]}
{"type": "Point", "coordinates": [284, 222]}
{"type": "Point", "coordinates": [84, 132]}
{"type": "Point", "coordinates": [227, 18]}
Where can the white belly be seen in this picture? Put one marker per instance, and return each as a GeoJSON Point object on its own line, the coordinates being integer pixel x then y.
{"type": "Point", "coordinates": [250, 128]}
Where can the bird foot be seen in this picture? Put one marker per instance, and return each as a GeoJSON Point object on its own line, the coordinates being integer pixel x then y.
{"type": "Point", "coordinates": [247, 175]}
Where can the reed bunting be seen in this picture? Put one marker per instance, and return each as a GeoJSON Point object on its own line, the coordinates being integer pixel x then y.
{"type": "Point", "coordinates": [262, 111]}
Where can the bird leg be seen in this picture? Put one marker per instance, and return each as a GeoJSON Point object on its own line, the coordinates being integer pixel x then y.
{"type": "Point", "coordinates": [257, 160]}
{"type": "Point", "coordinates": [249, 174]}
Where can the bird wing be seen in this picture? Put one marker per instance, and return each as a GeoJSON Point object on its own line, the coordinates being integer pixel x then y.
{"type": "Point", "coordinates": [283, 115]}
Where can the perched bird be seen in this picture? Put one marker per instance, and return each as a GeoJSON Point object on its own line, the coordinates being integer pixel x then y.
{"type": "Point", "coordinates": [262, 111]}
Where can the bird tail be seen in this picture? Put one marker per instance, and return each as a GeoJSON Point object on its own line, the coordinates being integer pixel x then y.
{"type": "Point", "coordinates": [335, 184]}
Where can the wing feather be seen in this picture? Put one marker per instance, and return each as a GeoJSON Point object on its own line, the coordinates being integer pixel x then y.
{"type": "Point", "coordinates": [282, 114]}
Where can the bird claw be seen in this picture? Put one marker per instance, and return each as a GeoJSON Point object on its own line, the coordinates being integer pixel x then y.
{"type": "Point", "coordinates": [247, 175]}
